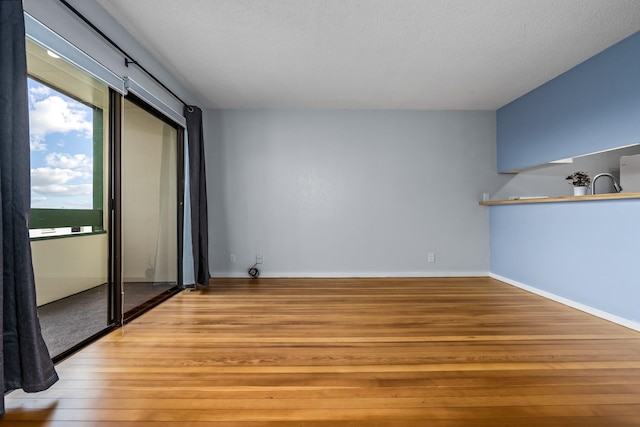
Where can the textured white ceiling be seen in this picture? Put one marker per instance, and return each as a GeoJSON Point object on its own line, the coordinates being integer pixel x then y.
{"type": "Point", "coordinates": [371, 54]}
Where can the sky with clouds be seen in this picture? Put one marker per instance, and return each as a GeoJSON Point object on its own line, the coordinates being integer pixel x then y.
{"type": "Point", "coordinates": [61, 140]}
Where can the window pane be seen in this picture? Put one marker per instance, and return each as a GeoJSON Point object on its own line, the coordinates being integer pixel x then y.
{"type": "Point", "coordinates": [67, 138]}
{"type": "Point", "coordinates": [61, 138]}
{"type": "Point", "coordinates": [149, 200]}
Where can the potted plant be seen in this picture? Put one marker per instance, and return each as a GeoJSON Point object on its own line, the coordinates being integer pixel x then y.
{"type": "Point", "coordinates": [580, 181]}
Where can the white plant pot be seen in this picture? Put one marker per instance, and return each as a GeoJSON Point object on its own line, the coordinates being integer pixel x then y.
{"type": "Point", "coordinates": [580, 191]}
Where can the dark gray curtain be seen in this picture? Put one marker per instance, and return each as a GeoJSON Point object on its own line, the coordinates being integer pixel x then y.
{"type": "Point", "coordinates": [25, 359]}
{"type": "Point", "coordinates": [198, 194]}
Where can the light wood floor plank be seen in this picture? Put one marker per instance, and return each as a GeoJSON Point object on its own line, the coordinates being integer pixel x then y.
{"type": "Point", "coordinates": [348, 352]}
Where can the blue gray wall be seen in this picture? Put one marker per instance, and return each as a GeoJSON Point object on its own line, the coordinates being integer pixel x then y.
{"type": "Point", "coordinates": [350, 193]}
{"type": "Point", "coordinates": [587, 252]}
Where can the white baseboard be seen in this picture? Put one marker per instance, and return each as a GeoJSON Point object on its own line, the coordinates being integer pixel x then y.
{"type": "Point", "coordinates": [339, 275]}
{"type": "Point", "coordinates": [579, 306]}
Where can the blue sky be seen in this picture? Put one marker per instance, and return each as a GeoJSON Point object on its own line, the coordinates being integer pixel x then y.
{"type": "Point", "coordinates": [61, 140]}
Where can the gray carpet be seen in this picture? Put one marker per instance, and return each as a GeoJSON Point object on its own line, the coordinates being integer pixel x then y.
{"type": "Point", "coordinates": [73, 319]}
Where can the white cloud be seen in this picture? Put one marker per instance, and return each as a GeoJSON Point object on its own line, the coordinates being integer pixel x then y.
{"type": "Point", "coordinates": [38, 92]}
{"type": "Point", "coordinates": [80, 162]}
{"type": "Point", "coordinates": [63, 190]}
{"type": "Point", "coordinates": [54, 114]}
{"type": "Point", "coordinates": [36, 144]}
{"type": "Point", "coordinates": [42, 177]}
{"type": "Point", "coordinates": [51, 182]}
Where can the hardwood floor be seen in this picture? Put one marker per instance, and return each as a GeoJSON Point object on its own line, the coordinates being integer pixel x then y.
{"type": "Point", "coordinates": [349, 352]}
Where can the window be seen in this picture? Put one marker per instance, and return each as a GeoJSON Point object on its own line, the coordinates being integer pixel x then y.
{"type": "Point", "coordinates": [66, 126]}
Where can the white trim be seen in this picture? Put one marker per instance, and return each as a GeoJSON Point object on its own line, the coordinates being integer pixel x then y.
{"type": "Point", "coordinates": [142, 93]}
{"type": "Point", "coordinates": [332, 275]}
{"type": "Point", "coordinates": [579, 306]}
{"type": "Point", "coordinates": [44, 36]}
{"type": "Point", "coordinates": [152, 93]}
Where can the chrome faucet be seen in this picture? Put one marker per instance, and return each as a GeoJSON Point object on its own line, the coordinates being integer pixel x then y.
{"type": "Point", "coordinates": [616, 186]}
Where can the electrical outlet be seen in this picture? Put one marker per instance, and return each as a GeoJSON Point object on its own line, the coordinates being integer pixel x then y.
{"type": "Point", "coordinates": [431, 257]}
{"type": "Point", "coordinates": [232, 258]}
{"type": "Point", "coordinates": [259, 259]}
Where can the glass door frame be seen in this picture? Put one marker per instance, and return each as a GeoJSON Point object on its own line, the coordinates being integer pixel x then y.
{"type": "Point", "coordinates": [115, 211]}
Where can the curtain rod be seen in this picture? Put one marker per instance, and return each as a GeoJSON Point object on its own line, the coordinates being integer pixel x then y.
{"type": "Point", "coordinates": [128, 58]}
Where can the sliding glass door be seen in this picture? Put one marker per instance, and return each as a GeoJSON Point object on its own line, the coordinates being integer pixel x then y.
{"type": "Point", "coordinates": [150, 173]}
{"type": "Point", "coordinates": [68, 226]}
{"type": "Point", "coordinates": [106, 203]}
